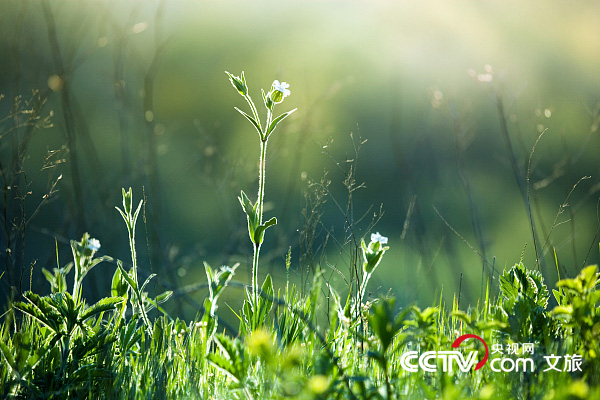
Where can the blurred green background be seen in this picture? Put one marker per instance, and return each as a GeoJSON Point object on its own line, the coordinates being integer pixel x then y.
{"type": "Point", "coordinates": [137, 96]}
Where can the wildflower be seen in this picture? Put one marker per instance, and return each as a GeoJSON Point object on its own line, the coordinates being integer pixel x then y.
{"type": "Point", "coordinates": [279, 91]}
{"type": "Point", "coordinates": [374, 251]}
{"type": "Point", "coordinates": [93, 245]}
{"type": "Point", "coordinates": [377, 237]}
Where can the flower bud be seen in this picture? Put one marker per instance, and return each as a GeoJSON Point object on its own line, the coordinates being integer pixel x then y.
{"type": "Point", "coordinates": [238, 83]}
{"type": "Point", "coordinates": [373, 253]}
{"type": "Point", "coordinates": [279, 91]}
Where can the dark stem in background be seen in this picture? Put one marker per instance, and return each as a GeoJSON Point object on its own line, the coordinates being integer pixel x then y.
{"type": "Point", "coordinates": [475, 222]}
{"type": "Point", "coordinates": [10, 182]}
{"type": "Point", "coordinates": [126, 165]}
{"type": "Point", "coordinates": [406, 173]}
{"type": "Point", "coordinates": [569, 163]}
{"type": "Point", "coordinates": [67, 114]}
{"type": "Point", "coordinates": [152, 168]}
{"type": "Point", "coordinates": [523, 185]}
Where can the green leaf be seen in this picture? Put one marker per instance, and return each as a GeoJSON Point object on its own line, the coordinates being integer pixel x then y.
{"type": "Point", "coordinates": [39, 309]}
{"type": "Point", "coordinates": [147, 281]}
{"type": "Point", "coordinates": [231, 359]}
{"type": "Point", "coordinates": [563, 311]}
{"type": "Point", "coordinates": [265, 300]}
{"type": "Point", "coordinates": [123, 215]}
{"type": "Point", "coordinates": [222, 279]}
{"type": "Point", "coordinates": [251, 119]}
{"type": "Point", "coordinates": [589, 277]}
{"type": "Point", "coordinates": [106, 304]}
{"type": "Point", "coordinates": [126, 276]}
{"type": "Point", "coordinates": [161, 298]}
{"type": "Point", "coordinates": [135, 215]}
{"type": "Point", "coordinates": [50, 278]}
{"type": "Point", "coordinates": [119, 284]}
{"type": "Point", "coordinates": [276, 121]}
{"type": "Point", "coordinates": [251, 214]}
{"type": "Point", "coordinates": [259, 233]}
{"type": "Point", "coordinates": [224, 365]}
{"type": "Point", "coordinates": [8, 356]}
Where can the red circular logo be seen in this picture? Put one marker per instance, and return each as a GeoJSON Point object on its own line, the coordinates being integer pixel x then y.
{"type": "Point", "coordinates": [462, 338]}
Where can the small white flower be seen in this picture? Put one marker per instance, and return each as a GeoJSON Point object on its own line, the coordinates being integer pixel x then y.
{"type": "Point", "coordinates": [282, 87]}
{"type": "Point", "coordinates": [376, 237]}
{"type": "Point", "coordinates": [93, 244]}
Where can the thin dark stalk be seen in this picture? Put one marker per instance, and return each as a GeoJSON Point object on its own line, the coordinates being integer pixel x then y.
{"type": "Point", "coordinates": [472, 207]}
{"type": "Point", "coordinates": [67, 112]}
{"type": "Point", "coordinates": [521, 182]}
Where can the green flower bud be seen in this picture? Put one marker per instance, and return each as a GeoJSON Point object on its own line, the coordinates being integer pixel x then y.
{"type": "Point", "coordinates": [127, 201]}
{"type": "Point", "coordinates": [373, 253]}
{"type": "Point", "coordinates": [239, 83]}
{"type": "Point", "coordinates": [279, 91]}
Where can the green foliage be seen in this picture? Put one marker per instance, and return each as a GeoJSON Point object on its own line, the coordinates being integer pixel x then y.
{"type": "Point", "coordinates": [140, 301]}
{"type": "Point", "coordinates": [73, 350]}
{"type": "Point", "coordinates": [524, 298]}
{"type": "Point", "coordinates": [578, 313]}
{"type": "Point", "coordinates": [58, 347]}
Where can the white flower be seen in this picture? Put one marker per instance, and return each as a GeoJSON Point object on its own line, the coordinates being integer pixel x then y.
{"type": "Point", "coordinates": [93, 244]}
{"type": "Point", "coordinates": [282, 87]}
{"type": "Point", "coordinates": [279, 91]}
{"type": "Point", "coordinates": [376, 237]}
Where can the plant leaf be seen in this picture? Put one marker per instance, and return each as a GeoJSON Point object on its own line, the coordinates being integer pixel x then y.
{"type": "Point", "coordinates": [106, 304]}
{"type": "Point", "coordinates": [126, 276]}
{"type": "Point", "coordinates": [251, 119]}
{"type": "Point", "coordinates": [277, 120]}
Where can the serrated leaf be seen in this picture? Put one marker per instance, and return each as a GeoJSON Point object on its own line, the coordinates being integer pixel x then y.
{"type": "Point", "coordinates": [106, 304]}
{"type": "Point", "coordinates": [39, 309]}
{"type": "Point", "coordinates": [10, 361]}
{"type": "Point", "coordinates": [224, 365]}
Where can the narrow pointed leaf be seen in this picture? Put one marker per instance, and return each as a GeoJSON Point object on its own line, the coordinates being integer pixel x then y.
{"type": "Point", "coordinates": [161, 298]}
{"type": "Point", "coordinates": [251, 119]}
{"type": "Point", "coordinates": [277, 120]}
{"type": "Point", "coordinates": [147, 281]}
{"type": "Point", "coordinates": [126, 276]}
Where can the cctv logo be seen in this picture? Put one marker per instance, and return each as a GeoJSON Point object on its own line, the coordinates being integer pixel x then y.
{"type": "Point", "coordinates": [428, 361]}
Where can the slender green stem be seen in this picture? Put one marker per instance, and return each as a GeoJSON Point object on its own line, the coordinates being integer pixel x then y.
{"type": "Point", "coordinates": [254, 111]}
{"type": "Point", "coordinates": [261, 189]}
{"type": "Point", "coordinates": [363, 288]}
{"type": "Point", "coordinates": [260, 200]}
{"type": "Point", "coordinates": [255, 274]}
{"type": "Point", "coordinates": [261, 179]}
{"type": "Point", "coordinates": [137, 293]}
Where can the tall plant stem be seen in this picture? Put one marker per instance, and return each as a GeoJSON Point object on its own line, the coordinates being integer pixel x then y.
{"type": "Point", "coordinates": [137, 294]}
{"type": "Point", "coordinates": [522, 182]}
{"type": "Point", "coordinates": [260, 199]}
